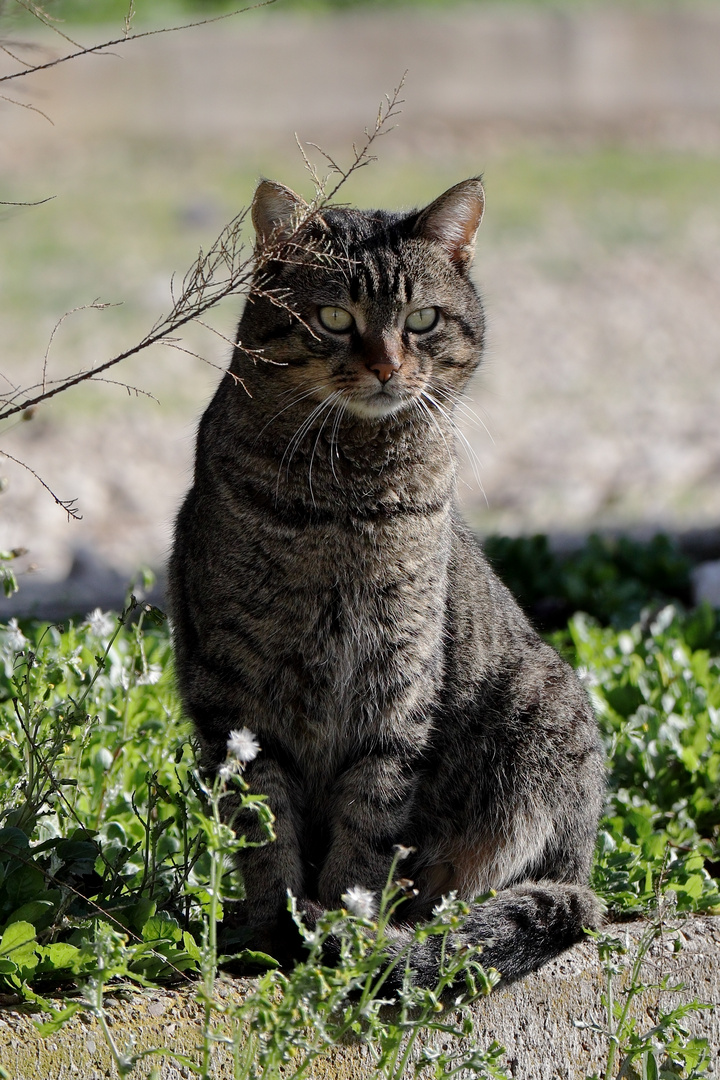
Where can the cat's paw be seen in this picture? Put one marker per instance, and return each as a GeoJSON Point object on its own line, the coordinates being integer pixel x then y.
{"type": "Point", "coordinates": [282, 938]}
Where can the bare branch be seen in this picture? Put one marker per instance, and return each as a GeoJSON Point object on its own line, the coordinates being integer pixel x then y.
{"type": "Point", "coordinates": [39, 202]}
{"type": "Point", "coordinates": [100, 49]}
{"type": "Point", "coordinates": [47, 20]}
{"type": "Point", "coordinates": [68, 505]}
{"type": "Point", "coordinates": [126, 386]}
{"type": "Point", "coordinates": [214, 275]}
{"type": "Point", "coordinates": [224, 337]}
{"type": "Point", "coordinates": [128, 20]}
{"type": "Point", "coordinates": [218, 367]}
{"type": "Point", "coordinates": [18, 59]}
{"type": "Point", "coordinates": [219, 272]}
{"type": "Point", "coordinates": [318, 182]}
{"type": "Point", "coordinates": [363, 156]}
{"type": "Point", "coordinates": [25, 105]}
{"type": "Point", "coordinates": [96, 304]}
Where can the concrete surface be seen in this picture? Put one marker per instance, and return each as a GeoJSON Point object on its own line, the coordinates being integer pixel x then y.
{"type": "Point", "coordinates": [536, 1020]}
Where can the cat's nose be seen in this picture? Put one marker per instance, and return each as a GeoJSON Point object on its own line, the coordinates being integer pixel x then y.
{"type": "Point", "coordinates": [384, 359]}
{"type": "Point", "coordinates": [384, 369]}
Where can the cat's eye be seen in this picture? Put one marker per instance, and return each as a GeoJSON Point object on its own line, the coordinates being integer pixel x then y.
{"type": "Point", "coordinates": [336, 319]}
{"type": "Point", "coordinates": [422, 319]}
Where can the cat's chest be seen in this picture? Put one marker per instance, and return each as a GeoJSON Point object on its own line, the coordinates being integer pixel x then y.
{"type": "Point", "coordinates": [349, 630]}
{"type": "Point", "coordinates": [349, 592]}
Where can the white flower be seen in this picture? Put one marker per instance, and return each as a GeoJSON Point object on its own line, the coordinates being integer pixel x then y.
{"type": "Point", "coordinates": [243, 745]}
{"type": "Point", "coordinates": [100, 623]}
{"type": "Point", "coordinates": [15, 640]}
{"type": "Point", "coordinates": [227, 770]}
{"type": "Point", "coordinates": [360, 902]}
{"type": "Point", "coordinates": [150, 676]}
{"type": "Point", "coordinates": [447, 903]}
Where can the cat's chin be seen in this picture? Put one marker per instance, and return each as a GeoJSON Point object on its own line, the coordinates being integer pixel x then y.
{"type": "Point", "coordinates": [376, 407]}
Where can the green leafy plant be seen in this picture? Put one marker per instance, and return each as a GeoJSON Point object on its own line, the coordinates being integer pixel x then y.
{"type": "Point", "coordinates": [116, 861]}
{"type": "Point", "coordinates": [298, 1016]}
{"type": "Point", "coordinates": [663, 1051]}
{"type": "Point", "coordinates": [610, 578]}
{"type": "Point", "coordinates": [656, 692]}
{"type": "Point", "coordinates": [99, 819]}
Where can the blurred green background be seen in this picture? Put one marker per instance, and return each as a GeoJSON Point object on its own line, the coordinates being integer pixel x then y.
{"type": "Point", "coordinates": [95, 11]}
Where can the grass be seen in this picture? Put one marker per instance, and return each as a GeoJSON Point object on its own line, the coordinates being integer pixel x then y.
{"type": "Point", "coordinates": [114, 859]}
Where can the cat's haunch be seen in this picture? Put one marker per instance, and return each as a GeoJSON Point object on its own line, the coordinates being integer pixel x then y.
{"type": "Point", "coordinates": [327, 596]}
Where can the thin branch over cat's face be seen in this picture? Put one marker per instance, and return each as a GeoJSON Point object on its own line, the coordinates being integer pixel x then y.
{"type": "Point", "coordinates": [377, 308]}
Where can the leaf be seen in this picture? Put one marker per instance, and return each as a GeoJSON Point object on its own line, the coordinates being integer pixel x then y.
{"type": "Point", "coordinates": [18, 945]}
{"type": "Point", "coordinates": [23, 885]}
{"type": "Point", "coordinates": [38, 912]}
{"type": "Point", "coordinates": [624, 699]}
{"type": "Point", "coordinates": [59, 1019]}
{"type": "Point", "coordinates": [58, 957]}
{"type": "Point", "coordinates": [161, 928]}
{"type": "Point", "coordinates": [139, 914]}
{"type": "Point", "coordinates": [9, 581]}
{"type": "Point", "coordinates": [692, 887]}
{"type": "Point", "coordinates": [15, 937]}
{"type": "Point", "coordinates": [191, 946]}
{"type": "Point", "coordinates": [649, 1066]}
{"type": "Point", "coordinates": [250, 958]}
{"type": "Point", "coordinates": [78, 856]}
{"type": "Point", "coordinates": [13, 841]}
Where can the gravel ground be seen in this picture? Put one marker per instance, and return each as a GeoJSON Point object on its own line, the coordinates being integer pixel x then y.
{"type": "Point", "coordinates": [600, 387]}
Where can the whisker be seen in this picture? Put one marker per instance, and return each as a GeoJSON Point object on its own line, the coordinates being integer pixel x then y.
{"type": "Point", "coordinates": [459, 401]}
{"type": "Point", "coordinates": [295, 401]}
{"type": "Point", "coordinates": [301, 431]}
{"type": "Point", "coordinates": [334, 431]}
{"type": "Point", "coordinates": [475, 463]}
{"type": "Point", "coordinates": [332, 399]}
{"type": "Point", "coordinates": [294, 444]}
{"type": "Point", "coordinates": [456, 428]}
{"type": "Point", "coordinates": [421, 404]}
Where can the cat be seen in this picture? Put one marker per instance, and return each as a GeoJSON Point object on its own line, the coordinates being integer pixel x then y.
{"type": "Point", "coordinates": [326, 595]}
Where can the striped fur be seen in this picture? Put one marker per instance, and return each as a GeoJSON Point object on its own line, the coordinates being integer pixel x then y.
{"type": "Point", "coordinates": [326, 595]}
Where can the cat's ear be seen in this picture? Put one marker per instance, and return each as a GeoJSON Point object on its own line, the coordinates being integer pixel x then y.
{"type": "Point", "coordinates": [276, 212]}
{"type": "Point", "coordinates": [453, 220]}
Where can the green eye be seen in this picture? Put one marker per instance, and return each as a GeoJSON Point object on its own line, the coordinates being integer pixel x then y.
{"type": "Point", "coordinates": [336, 319]}
{"type": "Point", "coordinates": [423, 319]}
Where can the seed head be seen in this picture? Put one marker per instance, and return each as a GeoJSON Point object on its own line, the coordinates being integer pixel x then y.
{"type": "Point", "coordinates": [242, 745]}
{"type": "Point", "coordinates": [360, 902]}
{"type": "Point", "coordinates": [100, 623]}
{"type": "Point", "coordinates": [15, 640]}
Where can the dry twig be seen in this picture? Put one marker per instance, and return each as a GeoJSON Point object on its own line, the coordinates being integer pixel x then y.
{"type": "Point", "coordinates": [224, 270]}
{"type": "Point", "coordinates": [68, 505]}
{"type": "Point", "coordinates": [80, 50]}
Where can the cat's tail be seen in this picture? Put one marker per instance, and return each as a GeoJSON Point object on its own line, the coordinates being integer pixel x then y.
{"type": "Point", "coordinates": [519, 930]}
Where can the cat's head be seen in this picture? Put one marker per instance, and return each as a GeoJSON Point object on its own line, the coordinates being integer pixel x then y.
{"type": "Point", "coordinates": [374, 307]}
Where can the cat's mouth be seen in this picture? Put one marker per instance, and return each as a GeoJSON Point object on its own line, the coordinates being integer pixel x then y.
{"type": "Point", "coordinates": [379, 403]}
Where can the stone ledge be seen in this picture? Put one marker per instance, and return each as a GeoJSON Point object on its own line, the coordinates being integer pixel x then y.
{"type": "Point", "coordinates": [534, 1020]}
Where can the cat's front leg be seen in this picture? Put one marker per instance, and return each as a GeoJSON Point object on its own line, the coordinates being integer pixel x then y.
{"type": "Point", "coordinates": [270, 867]}
{"type": "Point", "coordinates": [371, 806]}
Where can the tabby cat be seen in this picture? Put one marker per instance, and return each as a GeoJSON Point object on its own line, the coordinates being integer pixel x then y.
{"type": "Point", "coordinates": [327, 596]}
